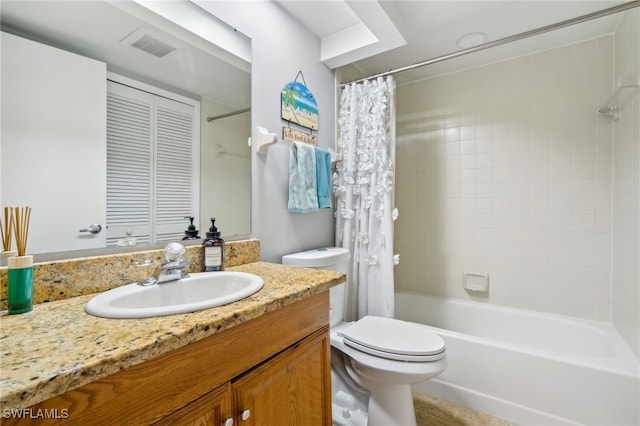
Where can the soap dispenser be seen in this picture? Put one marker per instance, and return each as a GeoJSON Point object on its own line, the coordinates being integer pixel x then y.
{"type": "Point", "coordinates": [213, 249]}
{"type": "Point", "coordinates": [191, 233]}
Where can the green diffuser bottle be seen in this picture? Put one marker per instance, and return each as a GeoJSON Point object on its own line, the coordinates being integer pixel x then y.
{"type": "Point", "coordinates": [20, 297]}
{"type": "Point", "coordinates": [20, 267]}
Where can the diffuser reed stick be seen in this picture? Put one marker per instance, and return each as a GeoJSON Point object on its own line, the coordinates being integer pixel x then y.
{"type": "Point", "coordinates": [21, 217]}
{"type": "Point", "coordinates": [6, 229]}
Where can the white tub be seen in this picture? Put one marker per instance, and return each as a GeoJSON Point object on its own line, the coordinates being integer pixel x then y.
{"type": "Point", "coordinates": [527, 367]}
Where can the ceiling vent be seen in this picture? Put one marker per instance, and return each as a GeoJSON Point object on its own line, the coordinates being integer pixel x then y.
{"type": "Point", "coordinates": [142, 39]}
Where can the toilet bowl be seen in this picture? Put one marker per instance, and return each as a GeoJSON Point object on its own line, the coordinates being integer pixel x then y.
{"type": "Point", "coordinates": [374, 360]}
{"type": "Point", "coordinates": [385, 357]}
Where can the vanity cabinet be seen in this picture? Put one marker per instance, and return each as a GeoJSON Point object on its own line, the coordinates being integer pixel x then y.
{"type": "Point", "coordinates": [277, 366]}
{"type": "Point", "coordinates": [288, 389]}
{"type": "Point", "coordinates": [212, 409]}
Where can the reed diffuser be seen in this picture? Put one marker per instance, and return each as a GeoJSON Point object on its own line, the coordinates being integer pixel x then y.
{"type": "Point", "coordinates": [20, 266]}
{"type": "Point", "coordinates": [6, 232]}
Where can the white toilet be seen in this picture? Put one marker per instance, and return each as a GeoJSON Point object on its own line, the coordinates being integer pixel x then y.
{"type": "Point", "coordinates": [374, 360]}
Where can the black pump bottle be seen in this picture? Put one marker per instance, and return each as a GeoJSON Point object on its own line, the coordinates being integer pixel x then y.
{"type": "Point", "coordinates": [213, 249]}
{"type": "Point", "coordinates": [191, 233]}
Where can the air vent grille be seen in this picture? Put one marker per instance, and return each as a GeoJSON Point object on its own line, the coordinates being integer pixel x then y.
{"type": "Point", "coordinates": [145, 41]}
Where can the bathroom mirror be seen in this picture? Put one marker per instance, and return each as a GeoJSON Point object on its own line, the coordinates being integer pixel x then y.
{"type": "Point", "coordinates": [215, 75]}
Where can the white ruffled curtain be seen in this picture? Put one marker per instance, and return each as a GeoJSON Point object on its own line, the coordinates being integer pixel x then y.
{"type": "Point", "coordinates": [363, 185]}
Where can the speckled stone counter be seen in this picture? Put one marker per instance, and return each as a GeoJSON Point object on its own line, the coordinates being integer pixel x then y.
{"type": "Point", "coordinates": [75, 277]}
{"type": "Point", "coordinates": [58, 347]}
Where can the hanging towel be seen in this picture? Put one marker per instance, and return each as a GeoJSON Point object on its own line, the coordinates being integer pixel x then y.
{"type": "Point", "coordinates": [323, 176]}
{"type": "Point", "coordinates": [303, 188]}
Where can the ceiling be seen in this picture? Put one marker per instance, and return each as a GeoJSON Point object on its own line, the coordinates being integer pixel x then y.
{"type": "Point", "coordinates": [366, 37]}
{"type": "Point", "coordinates": [358, 37]}
{"type": "Point", "coordinates": [96, 29]}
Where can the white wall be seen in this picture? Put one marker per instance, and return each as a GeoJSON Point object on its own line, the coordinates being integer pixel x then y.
{"type": "Point", "coordinates": [626, 187]}
{"type": "Point", "coordinates": [225, 184]}
{"type": "Point", "coordinates": [506, 170]}
{"type": "Point", "coordinates": [280, 48]}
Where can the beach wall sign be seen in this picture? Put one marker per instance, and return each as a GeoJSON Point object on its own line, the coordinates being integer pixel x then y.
{"type": "Point", "coordinates": [298, 105]}
{"type": "Point", "coordinates": [289, 134]}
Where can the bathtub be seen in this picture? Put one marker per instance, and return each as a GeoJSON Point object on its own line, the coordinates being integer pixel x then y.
{"type": "Point", "coordinates": [527, 367]}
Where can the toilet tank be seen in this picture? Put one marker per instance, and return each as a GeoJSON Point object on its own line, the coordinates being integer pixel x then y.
{"type": "Point", "coordinates": [330, 258]}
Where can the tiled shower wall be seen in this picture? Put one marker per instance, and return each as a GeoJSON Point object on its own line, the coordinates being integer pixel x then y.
{"type": "Point", "coordinates": [626, 187]}
{"type": "Point", "coordinates": [506, 170]}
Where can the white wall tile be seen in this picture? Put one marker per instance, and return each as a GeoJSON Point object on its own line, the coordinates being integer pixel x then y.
{"type": "Point", "coordinates": [625, 294]}
{"type": "Point", "coordinates": [520, 185]}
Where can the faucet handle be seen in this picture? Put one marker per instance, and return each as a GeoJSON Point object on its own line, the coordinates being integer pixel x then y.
{"type": "Point", "coordinates": [174, 251]}
{"type": "Point", "coordinates": [175, 264]}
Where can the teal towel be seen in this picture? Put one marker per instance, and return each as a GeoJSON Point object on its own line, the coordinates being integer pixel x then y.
{"type": "Point", "coordinates": [323, 177]}
{"type": "Point", "coordinates": [303, 189]}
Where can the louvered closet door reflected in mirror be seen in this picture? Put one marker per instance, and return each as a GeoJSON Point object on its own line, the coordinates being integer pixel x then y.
{"type": "Point", "coordinates": [151, 141]}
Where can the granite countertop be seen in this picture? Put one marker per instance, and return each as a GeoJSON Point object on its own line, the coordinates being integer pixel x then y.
{"type": "Point", "coordinates": [58, 347]}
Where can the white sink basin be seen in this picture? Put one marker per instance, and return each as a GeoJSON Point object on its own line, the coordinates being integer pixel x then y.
{"type": "Point", "coordinates": [201, 290]}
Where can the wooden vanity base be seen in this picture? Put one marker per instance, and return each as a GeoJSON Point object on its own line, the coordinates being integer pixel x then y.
{"type": "Point", "coordinates": [276, 366]}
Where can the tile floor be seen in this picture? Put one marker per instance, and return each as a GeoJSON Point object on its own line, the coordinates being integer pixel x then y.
{"type": "Point", "coordinates": [432, 411]}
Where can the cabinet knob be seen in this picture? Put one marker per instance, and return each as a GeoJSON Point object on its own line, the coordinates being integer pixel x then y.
{"type": "Point", "coordinates": [228, 422]}
{"type": "Point", "coordinates": [245, 415]}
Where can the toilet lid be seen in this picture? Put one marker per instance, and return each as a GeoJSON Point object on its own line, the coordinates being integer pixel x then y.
{"type": "Point", "coordinates": [394, 339]}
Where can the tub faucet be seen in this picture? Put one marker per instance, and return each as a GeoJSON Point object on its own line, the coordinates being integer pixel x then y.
{"type": "Point", "coordinates": [172, 269]}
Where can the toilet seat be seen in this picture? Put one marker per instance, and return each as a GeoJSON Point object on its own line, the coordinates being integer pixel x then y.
{"type": "Point", "coordinates": [394, 339]}
{"type": "Point", "coordinates": [394, 371]}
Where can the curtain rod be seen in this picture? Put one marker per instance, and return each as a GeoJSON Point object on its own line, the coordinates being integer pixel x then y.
{"type": "Point", "coordinates": [228, 114]}
{"type": "Point", "coordinates": [505, 40]}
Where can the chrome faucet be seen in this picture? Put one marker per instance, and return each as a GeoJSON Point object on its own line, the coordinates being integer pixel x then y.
{"type": "Point", "coordinates": [172, 269]}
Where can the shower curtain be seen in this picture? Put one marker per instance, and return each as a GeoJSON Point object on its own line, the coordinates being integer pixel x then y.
{"type": "Point", "coordinates": [363, 185]}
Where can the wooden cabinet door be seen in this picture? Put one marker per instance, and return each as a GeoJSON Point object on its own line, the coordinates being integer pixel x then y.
{"type": "Point", "coordinates": [293, 388]}
{"type": "Point", "coordinates": [212, 409]}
